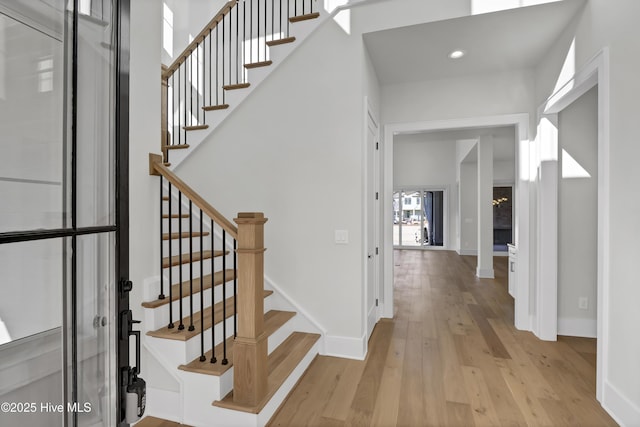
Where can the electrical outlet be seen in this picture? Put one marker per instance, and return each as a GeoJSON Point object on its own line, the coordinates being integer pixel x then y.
{"type": "Point", "coordinates": [583, 303]}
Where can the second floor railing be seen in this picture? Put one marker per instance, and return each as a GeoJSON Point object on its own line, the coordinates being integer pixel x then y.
{"type": "Point", "coordinates": [217, 60]}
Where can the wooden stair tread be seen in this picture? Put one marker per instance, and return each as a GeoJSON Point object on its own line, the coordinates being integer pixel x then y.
{"type": "Point", "coordinates": [165, 198]}
{"type": "Point", "coordinates": [184, 258]}
{"type": "Point", "coordinates": [196, 127]}
{"type": "Point", "coordinates": [175, 216]}
{"type": "Point", "coordinates": [284, 40]}
{"type": "Point", "coordinates": [308, 16]}
{"type": "Point", "coordinates": [236, 86]}
{"type": "Point", "coordinates": [273, 320]}
{"type": "Point", "coordinates": [280, 364]}
{"type": "Point", "coordinates": [175, 147]}
{"type": "Point", "coordinates": [218, 279]}
{"type": "Point", "coordinates": [258, 64]}
{"type": "Point", "coordinates": [184, 334]}
{"type": "Point", "coordinates": [184, 235]}
{"type": "Point", "coordinates": [215, 107]}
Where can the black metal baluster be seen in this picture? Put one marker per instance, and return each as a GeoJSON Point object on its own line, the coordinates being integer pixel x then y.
{"type": "Point", "coordinates": [223, 45]}
{"type": "Point", "coordinates": [190, 70]}
{"type": "Point", "coordinates": [281, 18]}
{"type": "Point", "coordinates": [176, 125]}
{"type": "Point", "coordinates": [237, 44]}
{"type": "Point", "coordinates": [251, 31]}
{"type": "Point", "coordinates": [258, 31]}
{"type": "Point", "coordinates": [224, 298]}
{"type": "Point", "coordinates": [273, 21]}
{"type": "Point", "coordinates": [244, 39]}
{"type": "Point", "coordinates": [202, 356]}
{"type": "Point", "coordinates": [210, 64]}
{"type": "Point", "coordinates": [170, 242]}
{"type": "Point", "coordinates": [161, 295]}
{"type": "Point", "coordinates": [191, 327]}
{"type": "Point", "coordinates": [198, 83]}
{"type": "Point", "coordinates": [230, 43]}
{"type": "Point", "coordinates": [181, 325]}
{"type": "Point", "coordinates": [287, 19]}
{"type": "Point", "coordinates": [235, 288]}
{"type": "Point", "coordinates": [213, 300]}
{"type": "Point", "coordinates": [217, 72]}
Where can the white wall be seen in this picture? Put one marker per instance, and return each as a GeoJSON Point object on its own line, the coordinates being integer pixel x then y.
{"type": "Point", "coordinates": [473, 96]}
{"type": "Point", "coordinates": [426, 163]}
{"type": "Point", "coordinates": [578, 217]}
{"type": "Point", "coordinates": [603, 24]}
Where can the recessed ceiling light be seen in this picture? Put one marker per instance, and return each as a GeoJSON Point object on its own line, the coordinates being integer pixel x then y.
{"type": "Point", "coordinates": [457, 54]}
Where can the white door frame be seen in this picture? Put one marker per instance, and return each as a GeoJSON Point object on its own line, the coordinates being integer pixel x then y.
{"type": "Point", "coordinates": [595, 72]}
{"type": "Point", "coordinates": [370, 189]}
{"type": "Point", "coordinates": [521, 221]}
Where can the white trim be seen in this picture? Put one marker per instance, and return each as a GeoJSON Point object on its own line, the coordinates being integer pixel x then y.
{"type": "Point", "coordinates": [577, 327]}
{"type": "Point", "coordinates": [595, 72]}
{"type": "Point", "coordinates": [298, 309]}
{"type": "Point", "coordinates": [521, 221]}
{"type": "Point", "coordinates": [347, 347]}
{"type": "Point", "coordinates": [485, 273]}
{"type": "Point", "coordinates": [620, 407]}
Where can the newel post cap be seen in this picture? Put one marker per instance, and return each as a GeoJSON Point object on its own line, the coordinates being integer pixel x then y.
{"type": "Point", "coordinates": [250, 218]}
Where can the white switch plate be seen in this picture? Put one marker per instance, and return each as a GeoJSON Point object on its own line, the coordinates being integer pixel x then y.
{"type": "Point", "coordinates": [583, 303]}
{"type": "Point", "coordinates": [341, 237]}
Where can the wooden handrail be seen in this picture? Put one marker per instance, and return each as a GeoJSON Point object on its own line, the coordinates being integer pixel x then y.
{"type": "Point", "coordinates": [157, 168]}
{"type": "Point", "coordinates": [198, 39]}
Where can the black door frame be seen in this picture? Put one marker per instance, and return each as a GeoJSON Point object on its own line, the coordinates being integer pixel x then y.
{"type": "Point", "coordinates": [121, 227]}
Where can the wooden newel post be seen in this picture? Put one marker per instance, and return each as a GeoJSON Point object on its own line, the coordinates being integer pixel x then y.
{"type": "Point", "coordinates": [250, 347]}
{"type": "Point", "coordinates": [164, 107]}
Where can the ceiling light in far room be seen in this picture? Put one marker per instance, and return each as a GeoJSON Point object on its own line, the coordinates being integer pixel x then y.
{"type": "Point", "coordinates": [457, 54]}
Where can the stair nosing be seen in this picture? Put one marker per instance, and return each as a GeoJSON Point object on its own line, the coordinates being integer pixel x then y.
{"type": "Point", "coordinates": [176, 260]}
{"type": "Point", "coordinates": [197, 287]}
{"type": "Point", "coordinates": [308, 340]}
{"type": "Point", "coordinates": [269, 329]}
{"type": "Point", "coordinates": [184, 334]}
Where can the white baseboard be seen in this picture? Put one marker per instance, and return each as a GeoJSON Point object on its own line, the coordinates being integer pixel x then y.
{"type": "Point", "coordinates": [621, 408]}
{"type": "Point", "coordinates": [485, 273]}
{"type": "Point", "coordinates": [347, 347]}
{"type": "Point", "coordinates": [471, 252]}
{"type": "Point", "coordinates": [575, 327]}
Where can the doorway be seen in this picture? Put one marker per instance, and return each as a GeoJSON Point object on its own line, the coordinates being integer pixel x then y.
{"type": "Point", "coordinates": [419, 218]}
{"type": "Point", "coordinates": [63, 223]}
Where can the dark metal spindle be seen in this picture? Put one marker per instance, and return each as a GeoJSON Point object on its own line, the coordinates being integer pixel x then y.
{"type": "Point", "coordinates": [281, 18]}
{"type": "Point", "coordinates": [237, 44]}
{"type": "Point", "coordinates": [161, 295]}
{"type": "Point", "coordinates": [223, 45]}
{"type": "Point", "coordinates": [273, 22]}
{"type": "Point", "coordinates": [210, 62]}
{"type": "Point", "coordinates": [202, 356]}
{"type": "Point", "coordinates": [251, 31]}
{"type": "Point", "coordinates": [230, 44]}
{"type": "Point", "coordinates": [258, 32]}
{"type": "Point", "coordinates": [224, 298]}
{"type": "Point", "coordinates": [191, 327]}
{"type": "Point", "coordinates": [181, 325]}
{"type": "Point", "coordinates": [235, 288]}
{"type": "Point", "coordinates": [217, 85]}
{"type": "Point", "coordinates": [244, 38]}
{"type": "Point", "coordinates": [213, 311]}
{"type": "Point", "coordinates": [171, 325]}
{"type": "Point", "coordinates": [265, 30]}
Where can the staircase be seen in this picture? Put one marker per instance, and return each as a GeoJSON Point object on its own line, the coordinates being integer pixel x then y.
{"type": "Point", "coordinates": [232, 348]}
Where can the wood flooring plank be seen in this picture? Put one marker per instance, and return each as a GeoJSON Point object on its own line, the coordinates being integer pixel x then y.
{"type": "Point", "coordinates": [464, 369]}
{"type": "Point", "coordinates": [493, 341]}
{"type": "Point", "coordinates": [482, 410]}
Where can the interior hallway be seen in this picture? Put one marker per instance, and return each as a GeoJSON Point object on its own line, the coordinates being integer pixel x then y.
{"type": "Point", "coordinates": [451, 357]}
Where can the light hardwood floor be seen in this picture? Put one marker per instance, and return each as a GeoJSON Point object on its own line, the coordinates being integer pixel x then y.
{"type": "Point", "coordinates": [450, 357]}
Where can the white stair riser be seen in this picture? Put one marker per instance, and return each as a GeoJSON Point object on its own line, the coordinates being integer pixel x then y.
{"type": "Point", "coordinates": [156, 318]}
{"type": "Point", "coordinates": [182, 352]}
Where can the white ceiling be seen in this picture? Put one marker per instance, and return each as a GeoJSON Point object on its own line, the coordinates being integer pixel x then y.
{"type": "Point", "coordinates": [511, 39]}
{"type": "Point", "coordinates": [503, 140]}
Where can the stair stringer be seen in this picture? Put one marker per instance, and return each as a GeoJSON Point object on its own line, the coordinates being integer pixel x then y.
{"type": "Point", "coordinates": [278, 54]}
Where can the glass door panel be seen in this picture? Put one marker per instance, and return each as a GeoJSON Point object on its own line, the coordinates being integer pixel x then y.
{"type": "Point", "coordinates": [31, 112]}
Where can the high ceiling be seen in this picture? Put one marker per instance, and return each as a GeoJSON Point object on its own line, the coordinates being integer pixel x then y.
{"type": "Point", "coordinates": [511, 39]}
